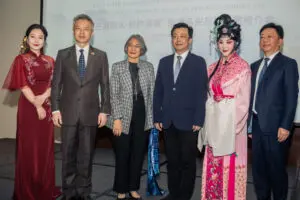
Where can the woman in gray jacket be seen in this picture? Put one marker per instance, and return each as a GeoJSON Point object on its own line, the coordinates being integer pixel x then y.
{"type": "Point", "coordinates": [132, 83]}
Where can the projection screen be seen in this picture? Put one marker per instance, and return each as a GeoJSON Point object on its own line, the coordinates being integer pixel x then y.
{"type": "Point", "coordinates": [116, 20]}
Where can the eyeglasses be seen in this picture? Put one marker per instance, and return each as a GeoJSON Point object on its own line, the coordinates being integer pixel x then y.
{"type": "Point", "coordinates": [182, 37]}
{"type": "Point", "coordinates": [134, 46]}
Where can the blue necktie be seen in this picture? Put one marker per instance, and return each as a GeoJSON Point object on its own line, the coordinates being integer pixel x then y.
{"type": "Point", "coordinates": [261, 75]}
{"type": "Point", "coordinates": [263, 71]}
{"type": "Point", "coordinates": [177, 68]}
{"type": "Point", "coordinates": [81, 69]}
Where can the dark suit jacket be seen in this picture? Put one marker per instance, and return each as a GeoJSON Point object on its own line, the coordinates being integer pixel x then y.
{"type": "Point", "coordinates": [277, 94]}
{"type": "Point", "coordinates": [76, 99]}
{"type": "Point", "coordinates": [182, 103]}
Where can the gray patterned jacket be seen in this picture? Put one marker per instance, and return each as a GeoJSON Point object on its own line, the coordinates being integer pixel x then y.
{"type": "Point", "coordinates": [121, 93]}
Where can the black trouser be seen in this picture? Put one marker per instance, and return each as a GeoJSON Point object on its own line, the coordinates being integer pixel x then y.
{"type": "Point", "coordinates": [269, 164]}
{"type": "Point", "coordinates": [181, 151]}
{"type": "Point", "coordinates": [130, 150]}
{"type": "Point", "coordinates": [78, 145]}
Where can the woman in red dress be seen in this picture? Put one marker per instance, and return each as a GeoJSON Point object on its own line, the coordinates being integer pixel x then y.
{"type": "Point", "coordinates": [31, 72]}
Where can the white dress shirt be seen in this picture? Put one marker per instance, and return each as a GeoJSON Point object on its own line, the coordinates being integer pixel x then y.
{"type": "Point", "coordinates": [258, 74]}
{"type": "Point", "coordinates": [85, 53]}
{"type": "Point", "coordinates": [183, 57]}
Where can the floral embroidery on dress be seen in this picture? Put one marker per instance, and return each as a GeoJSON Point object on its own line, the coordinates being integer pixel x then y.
{"type": "Point", "coordinates": [226, 72]}
{"type": "Point", "coordinates": [227, 179]}
{"type": "Point", "coordinates": [31, 61]}
{"type": "Point", "coordinates": [214, 176]}
{"type": "Point", "coordinates": [241, 182]}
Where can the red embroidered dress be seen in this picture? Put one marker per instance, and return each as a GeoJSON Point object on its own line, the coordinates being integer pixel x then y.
{"type": "Point", "coordinates": [34, 167]}
{"type": "Point", "coordinates": [224, 177]}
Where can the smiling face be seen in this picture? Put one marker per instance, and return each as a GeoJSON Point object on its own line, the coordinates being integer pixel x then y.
{"type": "Point", "coordinates": [181, 40]}
{"type": "Point", "coordinates": [270, 42]}
{"type": "Point", "coordinates": [226, 46]}
{"type": "Point", "coordinates": [36, 40]}
{"type": "Point", "coordinates": [83, 31]}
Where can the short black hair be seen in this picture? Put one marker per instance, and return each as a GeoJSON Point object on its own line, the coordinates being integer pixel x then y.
{"type": "Point", "coordinates": [83, 17]}
{"type": "Point", "coordinates": [276, 27]}
{"type": "Point", "coordinates": [183, 25]}
{"type": "Point", "coordinates": [37, 26]}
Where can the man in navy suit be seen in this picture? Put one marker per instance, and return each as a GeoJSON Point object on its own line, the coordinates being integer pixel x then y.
{"type": "Point", "coordinates": [179, 108]}
{"type": "Point", "coordinates": [274, 96]}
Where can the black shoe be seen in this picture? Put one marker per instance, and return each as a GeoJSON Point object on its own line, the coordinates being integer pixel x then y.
{"type": "Point", "coordinates": [134, 198]}
{"type": "Point", "coordinates": [71, 198]}
{"type": "Point", "coordinates": [168, 197]}
{"type": "Point", "coordinates": [125, 198]}
{"type": "Point", "coordinates": [85, 198]}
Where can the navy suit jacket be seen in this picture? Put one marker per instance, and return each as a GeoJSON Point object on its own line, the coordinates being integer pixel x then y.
{"type": "Point", "coordinates": [182, 103]}
{"type": "Point", "coordinates": [277, 94]}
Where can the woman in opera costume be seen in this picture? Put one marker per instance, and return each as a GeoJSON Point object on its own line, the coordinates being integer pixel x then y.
{"type": "Point", "coordinates": [225, 130]}
{"type": "Point", "coordinates": [31, 72]}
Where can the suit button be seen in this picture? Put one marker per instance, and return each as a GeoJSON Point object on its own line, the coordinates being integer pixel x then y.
{"type": "Point", "coordinates": [78, 99]}
{"type": "Point", "coordinates": [174, 89]}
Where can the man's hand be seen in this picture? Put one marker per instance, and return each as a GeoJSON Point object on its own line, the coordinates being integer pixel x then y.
{"type": "Point", "coordinates": [158, 126]}
{"type": "Point", "coordinates": [196, 128]}
{"type": "Point", "coordinates": [250, 136]}
{"type": "Point", "coordinates": [102, 119]}
{"type": "Point", "coordinates": [57, 119]}
{"type": "Point", "coordinates": [41, 112]}
{"type": "Point", "coordinates": [117, 127]}
{"type": "Point", "coordinates": [283, 134]}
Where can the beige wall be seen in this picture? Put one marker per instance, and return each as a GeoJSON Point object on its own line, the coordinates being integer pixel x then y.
{"type": "Point", "coordinates": [16, 16]}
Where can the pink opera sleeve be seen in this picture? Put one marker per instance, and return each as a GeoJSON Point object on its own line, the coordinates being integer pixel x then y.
{"type": "Point", "coordinates": [16, 77]}
{"type": "Point", "coordinates": [243, 100]}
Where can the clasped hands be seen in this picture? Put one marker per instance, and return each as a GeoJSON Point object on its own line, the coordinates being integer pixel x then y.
{"type": "Point", "coordinates": [38, 103]}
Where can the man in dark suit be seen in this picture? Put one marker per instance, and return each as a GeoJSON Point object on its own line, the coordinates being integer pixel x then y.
{"type": "Point", "coordinates": [79, 71]}
{"type": "Point", "coordinates": [274, 96]}
{"type": "Point", "coordinates": [179, 108]}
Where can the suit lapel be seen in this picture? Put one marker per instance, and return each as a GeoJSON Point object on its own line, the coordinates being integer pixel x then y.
{"type": "Point", "coordinates": [182, 68]}
{"type": "Point", "coordinates": [90, 64]}
{"type": "Point", "coordinates": [143, 78]}
{"type": "Point", "coordinates": [127, 76]}
{"type": "Point", "coordinates": [72, 62]}
{"type": "Point", "coordinates": [254, 72]}
{"type": "Point", "coordinates": [170, 63]}
{"type": "Point", "coordinates": [272, 66]}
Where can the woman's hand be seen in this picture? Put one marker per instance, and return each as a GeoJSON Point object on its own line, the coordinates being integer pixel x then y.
{"type": "Point", "coordinates": [41, 112]}
{"type": "Point", "coordinates": [39, 100]}
{"type": "Point", "coordinates": [117, 127]}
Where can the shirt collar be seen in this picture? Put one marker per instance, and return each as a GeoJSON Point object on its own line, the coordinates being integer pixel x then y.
{"type": "Point", "coordinates": [271, 56]}
{"type": "Point", "coordinates": [183, 55]}
{"type": "Point", "coordinates": [86, 48]}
